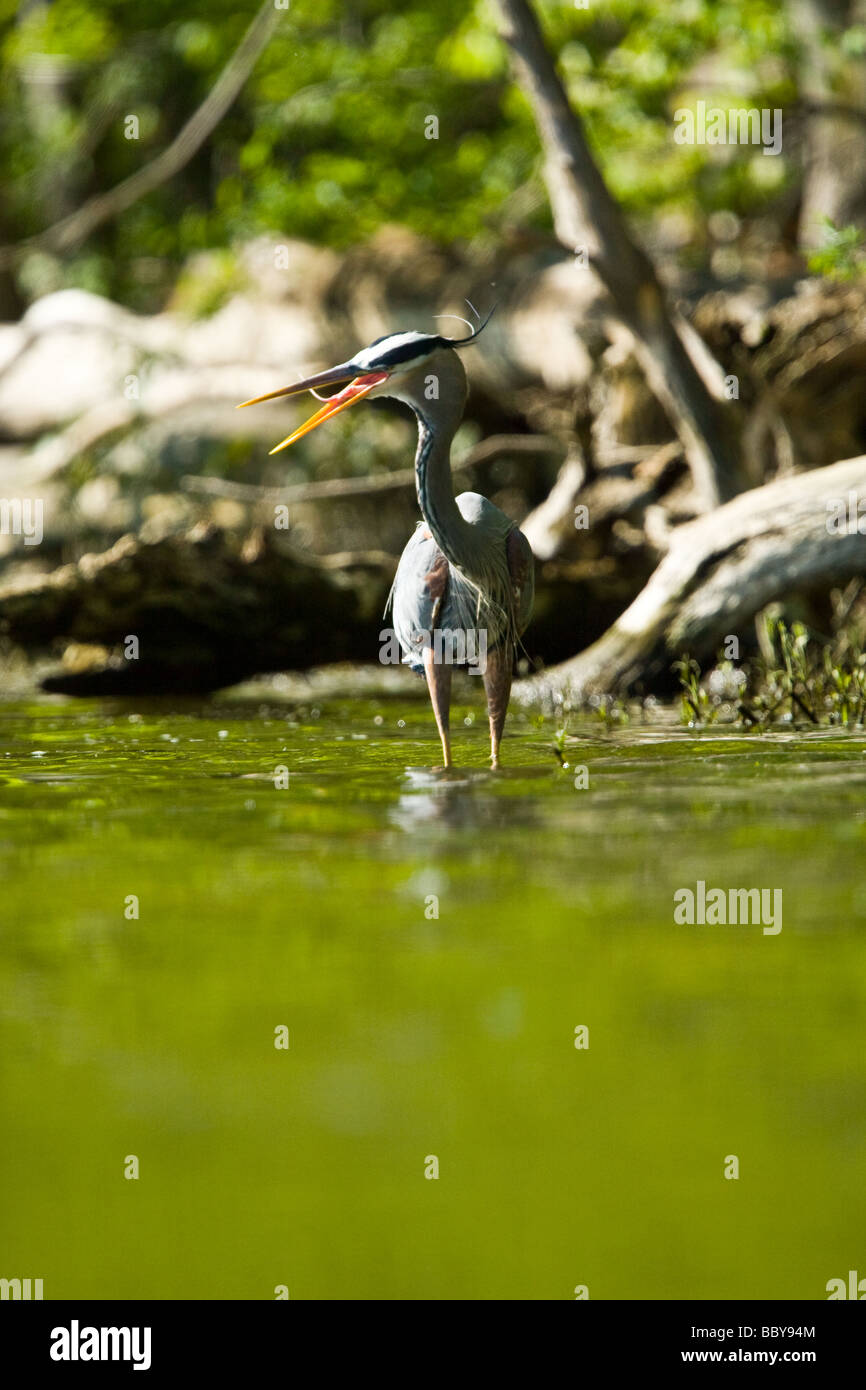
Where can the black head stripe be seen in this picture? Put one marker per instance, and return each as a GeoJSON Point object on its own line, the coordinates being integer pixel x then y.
{"type": "Point", "coordinates": [401, 352]}
{"type": "Point", "coordinates": [395, 349]}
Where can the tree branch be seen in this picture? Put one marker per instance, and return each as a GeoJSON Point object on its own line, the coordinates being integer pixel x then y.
{"type": "Point", "coordinates": [71, 231]}
{"type": "Point", "coordinates": [497, 446]}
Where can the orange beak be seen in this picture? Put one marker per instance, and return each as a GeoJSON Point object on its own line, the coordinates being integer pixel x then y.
{"type": "Point", "coordinates": [357, 389]}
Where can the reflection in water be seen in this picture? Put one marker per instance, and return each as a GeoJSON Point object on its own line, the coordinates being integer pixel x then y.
{"type": "Point", "coordinates": [460, 800]}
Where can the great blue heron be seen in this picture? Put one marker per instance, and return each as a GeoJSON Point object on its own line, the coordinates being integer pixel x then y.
{"type": "Point", "coordinates": [464, 586]}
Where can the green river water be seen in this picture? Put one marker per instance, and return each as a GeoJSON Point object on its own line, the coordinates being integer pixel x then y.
{"type": "Point", "coordinates": [412, 1035]}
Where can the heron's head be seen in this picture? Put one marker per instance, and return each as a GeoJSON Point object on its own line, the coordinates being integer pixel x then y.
{"type": "Point", "coordinates": [398, 365]}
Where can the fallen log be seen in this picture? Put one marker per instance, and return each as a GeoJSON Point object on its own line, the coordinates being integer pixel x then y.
{"type": "Point", "coordinates": [793, 535]}
{"type": "Point", "coordinates": [204, 611]}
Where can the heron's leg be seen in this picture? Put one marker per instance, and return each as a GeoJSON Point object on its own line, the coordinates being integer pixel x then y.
{"type": "Point", "coordinates": [438, 675]}
{"type": "Point", "coordinates": [497, 685]}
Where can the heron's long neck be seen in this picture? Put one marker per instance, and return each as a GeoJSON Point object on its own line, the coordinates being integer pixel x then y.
{"type": "Point", "coordinates": [451, 532]}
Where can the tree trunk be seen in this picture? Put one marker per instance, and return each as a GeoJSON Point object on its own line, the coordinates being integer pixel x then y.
{"type": "Point", "coordinates": [587, 217]}
{"type": "Point", "coordinates": [834, 87]}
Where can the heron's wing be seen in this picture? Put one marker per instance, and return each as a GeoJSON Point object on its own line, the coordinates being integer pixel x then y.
{"type": "Point", "coordinates": [418, 593]}
{"type": "Point", "coordinates": [429, 595]}
{"type": "Point", "coordinates": [521, 570]}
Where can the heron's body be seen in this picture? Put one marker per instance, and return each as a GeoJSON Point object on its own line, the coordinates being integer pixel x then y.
{"type": "Point", "coordinates": [430, 595]}
{"type": "Point", "coordinates": [442, 619]}
{"type": "Point", "coordinates": [463, 591]}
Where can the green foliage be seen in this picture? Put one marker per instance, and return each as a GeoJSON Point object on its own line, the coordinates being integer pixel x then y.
{"type": "Point", "coordinates": [207, 283]}
{"type": "Point", "coordinates": [841, 257]}
{"type": "Point", "coordinates": [612, 712]}
{"type": "Point", "coordinates": [696, 705]}
{"type": "Point", "coordinates": [328, 140]}
{"type": "Point", "coordinates": [823, 683]}
{"type": "Point", "coordinates": [802, 680]}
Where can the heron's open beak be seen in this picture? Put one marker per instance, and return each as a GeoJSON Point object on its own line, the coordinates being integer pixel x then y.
{"type": "Point", "coordinates": [357, 389]}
